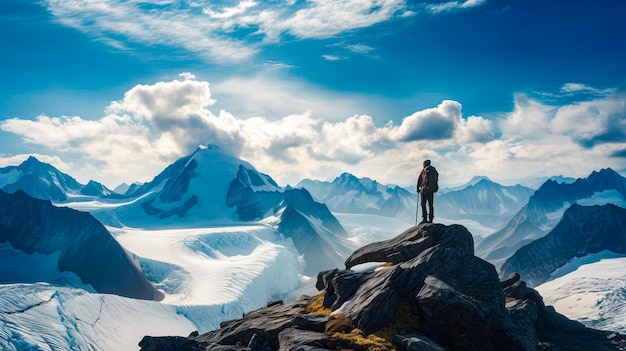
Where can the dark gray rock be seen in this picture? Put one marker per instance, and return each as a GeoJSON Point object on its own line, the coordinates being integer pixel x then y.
{"type": "Point", "coordinates": [415, 342]}
{"type": "Point", "coordinates": [292, 339]}
{"type": "Point", "coordinates": [152, 343]}
{"type": "Point", "coordinates": [312, 322]}
{"type": "Point", "coordinates": [412, 242]}
{"type": "Point", "coordinates": [264, 324]}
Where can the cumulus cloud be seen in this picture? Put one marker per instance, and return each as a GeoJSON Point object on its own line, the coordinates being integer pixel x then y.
{"type": "Point", "coordinates": [152, 125]}
{"type": "Point", "coordinates": [160, 122]}
{"type": "Point", "coordinates": [430, 124]}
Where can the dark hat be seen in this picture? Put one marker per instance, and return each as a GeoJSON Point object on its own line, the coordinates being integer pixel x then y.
{"type": "Point", "coordinates": [426, 163]}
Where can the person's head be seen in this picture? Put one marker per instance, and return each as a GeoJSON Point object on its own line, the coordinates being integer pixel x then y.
{"type": "Point", "coordinates": [426, 163]}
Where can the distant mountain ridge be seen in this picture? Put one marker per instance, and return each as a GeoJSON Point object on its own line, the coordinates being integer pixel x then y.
{"type": "Point", "coordinates": [582, 230]}
{"type": "Point", "coordinates": [85, 246]}
{"type": "Point", "coordinates": [544, 209]}
{"type": "Point", "coordinates": [485, 201]}
{"type": "Point", "coordinates": [349, 194]}
{"type": "Point", "coordinates": [43, 181]}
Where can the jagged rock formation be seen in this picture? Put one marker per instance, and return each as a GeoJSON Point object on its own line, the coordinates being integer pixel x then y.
{"type": "Point", "coordinates": [85, 246]}
{"type": "Point", "coordinates": [582, 230]}
{"type": "Point", "coordinates": [456, 302]}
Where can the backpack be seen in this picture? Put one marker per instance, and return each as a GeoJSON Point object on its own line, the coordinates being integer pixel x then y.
{"type": "Point", "coordinates": [431, 180]}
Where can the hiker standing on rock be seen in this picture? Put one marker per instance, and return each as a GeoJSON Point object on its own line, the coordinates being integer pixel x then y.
{"type": "Point", "coordinates": [427, 186]}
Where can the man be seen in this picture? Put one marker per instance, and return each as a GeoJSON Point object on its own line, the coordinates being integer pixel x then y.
{"type": "Point", "coordinates": [427, 186]}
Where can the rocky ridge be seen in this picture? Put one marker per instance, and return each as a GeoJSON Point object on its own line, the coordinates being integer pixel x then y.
{"type": "Point", "coordinates": [431, 293]}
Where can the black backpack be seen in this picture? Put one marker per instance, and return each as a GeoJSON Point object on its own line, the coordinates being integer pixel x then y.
{"type": "Point", "coordinates": [431, 180]}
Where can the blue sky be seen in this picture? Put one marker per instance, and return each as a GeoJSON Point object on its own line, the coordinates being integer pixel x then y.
{"type": "Point", "coordinates": [508, 89]}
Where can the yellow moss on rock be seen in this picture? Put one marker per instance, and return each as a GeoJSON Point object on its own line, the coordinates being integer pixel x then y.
{"type": "Point", "coordinates": [317, 306]}
{"type": "Point", "coordinates": [358, 340]}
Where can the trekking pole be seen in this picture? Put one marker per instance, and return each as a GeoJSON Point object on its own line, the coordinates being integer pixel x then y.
{"type": "Point", "coordinates": [417, 206]}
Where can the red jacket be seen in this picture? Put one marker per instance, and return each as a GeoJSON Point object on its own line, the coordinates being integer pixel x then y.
{"type": "Point", "coordinates": [420, 180]}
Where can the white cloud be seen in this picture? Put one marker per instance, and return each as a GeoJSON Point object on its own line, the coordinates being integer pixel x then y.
{"type": "Point", "coordinates": [229, 12]}
{"type": "Point", "coordinates": [453, 6]}
{"type": "Point", "coordinates": [271, 96]}
{"type": "Point", "coordinates": [430, 124]}
{"type": "Point", "coordinates": [327, 18]}
{"type": "Point", "coordinates": [331, 57]}
{"type": "Point", "coordinates": [590, 122]}
{"type": "Point", "coordinates": [153, 125]}
{"type": "Point", "coordinates": [582, 88]}
{"type": "Point", "coordinates": [200, 28]}
{"type": "Point", "coordinates": [529, 119]}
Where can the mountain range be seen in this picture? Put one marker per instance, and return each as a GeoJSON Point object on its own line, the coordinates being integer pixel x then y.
{"type": "Point", "coordinates": [210, 208]}
{"type": "Point", "coordinates": [546, 207]}
{"type": "Point", "coordinates": [206, 188]}
{"type": "Point", "coordinates": [349, 194]}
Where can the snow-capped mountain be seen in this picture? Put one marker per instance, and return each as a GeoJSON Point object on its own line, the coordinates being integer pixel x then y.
{"type": "Point", "coordinates": [73, 241]}
{"type": "Point", "coordinates": [349, 194]}
{"type": "Point", "coordinates": [39, 180]}
{"type": "Point", "coordinates": [473, 181]}
{"type": "Point", "coordinates": [94, 188]}
{"type": "Point", "coordinates": [43, 181]}
{"type": "Point", "coordinates": [545, 208]}
{"type": "Point", "coordinates": [213, 188]}
{"type": "Point", "coordinates": [484, 201]}
{"type": "Point", "coordinates": [582, 230]}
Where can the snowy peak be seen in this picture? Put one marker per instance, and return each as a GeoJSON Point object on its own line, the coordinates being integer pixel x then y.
{"type": "Point", "coordinates": [582, 230]}
{"type": "Point", "coordinates": [39, 180]}
{"type": "Point", "coordinates": [94, 188]}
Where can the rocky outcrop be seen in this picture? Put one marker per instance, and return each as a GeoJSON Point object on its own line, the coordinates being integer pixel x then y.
{"type": "Point", "coordinates": [582, 230]}
{"type": "Point", "coordinates": [432, 294]}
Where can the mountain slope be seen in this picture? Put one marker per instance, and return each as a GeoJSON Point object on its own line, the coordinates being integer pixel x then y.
{"type": "Point", "coordinates": [545, 208]}
{"type": "Point", "coordinates": [85, 247]}
{"type": "Point", "coordinates": [582, 230]}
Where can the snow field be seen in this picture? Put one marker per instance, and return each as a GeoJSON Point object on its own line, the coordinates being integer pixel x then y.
{"type": "Point", "coordinates": [46, 317]}
{"type": "Point", "coordinates": [216, 274]}
{"type": "Point", "coordinates": [592, 290]}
